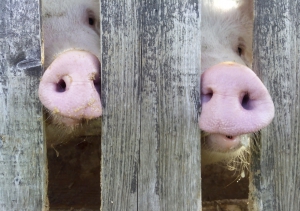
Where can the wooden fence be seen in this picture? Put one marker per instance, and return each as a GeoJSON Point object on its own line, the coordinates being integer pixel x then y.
{"type": "Point", "coordinates": [22, 151]}
{"type": "Point", "coordinates": [150, 148]}
{"type": "Point", "coordinates": [276, 53]}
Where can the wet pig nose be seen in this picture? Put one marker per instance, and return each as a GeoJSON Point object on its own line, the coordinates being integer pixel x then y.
{"type": "Point", "coordinates": [234, 100]}
{"type": "Point", "coordinates": [70, 86]}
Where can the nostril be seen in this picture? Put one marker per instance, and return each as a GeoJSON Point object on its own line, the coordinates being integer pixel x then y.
{"type": "Point", "coordinates": [246, 102]}
{"type": "Point", "coordinates": [207, 96]}
{"type": "Point", "coordinates": [61, 86]}
{"type": "Point", "coordinates": [229, 137]}
{"type": "Point", "coordinates": [97, 84]}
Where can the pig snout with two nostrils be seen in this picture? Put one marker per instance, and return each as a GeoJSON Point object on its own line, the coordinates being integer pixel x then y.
{"type": "Point", "coordinates": [70, 86]}
{"type": "Point", "coordinates": [235, 103]}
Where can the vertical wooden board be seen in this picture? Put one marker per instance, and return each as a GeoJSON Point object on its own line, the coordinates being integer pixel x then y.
{"type": "Point", "coordinates": [169, 176]}
{"type": "Point", "coordinates": [120, 95]}
{"type": "Point", "coordinates": [22, 151]}
{"type": "Point", "coordinates": [276, 59]}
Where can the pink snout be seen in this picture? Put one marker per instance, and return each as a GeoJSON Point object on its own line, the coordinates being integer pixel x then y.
{"type": "Point", "coordinates": [70, 87]}
{"type": "Point", "coordinates": [234, 101]}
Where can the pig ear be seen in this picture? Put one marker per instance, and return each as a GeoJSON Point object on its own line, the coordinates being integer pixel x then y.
{"type": "Point", "coordinates": [246, 8]}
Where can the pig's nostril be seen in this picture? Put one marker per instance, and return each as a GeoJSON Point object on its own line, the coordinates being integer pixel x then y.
{"type": "Point", "coordinates": [246, 102]}
{"type": "Point", "coordinates": [229, 137]}
{"type": "Point", "coordinates": [207, 96]}
{"type": "Point", "coordinates": [97, 84]}
{"type": "Point", "coordinates": [61, 86]}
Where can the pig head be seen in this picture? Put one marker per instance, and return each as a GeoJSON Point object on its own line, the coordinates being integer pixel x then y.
{"type": "Point", "coordinates": [235, 103]}
{"type": "Point", "coordinates": [70, 86]}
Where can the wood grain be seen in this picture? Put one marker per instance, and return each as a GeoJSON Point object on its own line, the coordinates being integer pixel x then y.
{"type": "Point", "coordinates": [169, 175]}
{"type": "Point", "coordinates": [276, 59]}
{"type": "Point", "coordinates": [22, 151]}
{"type": "Point", "coordinates": [121, 99]}
{"type": "Point", "coordinates": [150, 92]}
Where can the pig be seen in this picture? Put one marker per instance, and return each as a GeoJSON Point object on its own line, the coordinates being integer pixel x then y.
{"type": "Point", "coordinates": [70, 92]}
{"type": "Point", "coordinates": [235, 103]}
{"type": "Point", "coordinates": [70, 86]}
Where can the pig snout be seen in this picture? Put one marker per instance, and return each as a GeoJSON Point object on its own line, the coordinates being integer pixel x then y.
{"type": "Point", "coordinates": [70, 87]}
{"type": "Point", "coordinates": [234, 102]}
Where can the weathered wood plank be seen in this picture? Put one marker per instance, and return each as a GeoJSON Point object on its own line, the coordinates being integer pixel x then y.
{"type": "Point", "coordinates": [22, 156]}
{"type": "Point", "coordinates": [169, 174]}
{"type": "Point", "coordinates": [276, 59]}
{"type": "Point", "coordinates": [120, 94]}
{"type": "Point", "coordinates": [150, 93]}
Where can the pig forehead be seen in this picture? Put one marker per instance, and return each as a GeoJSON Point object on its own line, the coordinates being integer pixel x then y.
{"type": "Point", "coordinates": [61, 8]}
{"type": "Point", "coordinates": [220, 25]}
{"type": "Point", "coordinates": [226, 28]}
{"type": "Point", "coordinates": [216, 36]}
{"type": "Point", "coordinates": [65, 27]}
{"type": "Point", "coordinates": [234, 18]}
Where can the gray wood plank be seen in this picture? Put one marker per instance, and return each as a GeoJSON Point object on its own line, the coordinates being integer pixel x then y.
{"type": "Point", "coordinates": [120, 95]}
{"type": "Point", "coordinates": [150, 93]}
{"type": "Point", "coordinates": [22, 151]}
{"type": "Point", "coordinates": [169, 174]}
{"type": "Point", "coordinates": [276, 58]}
